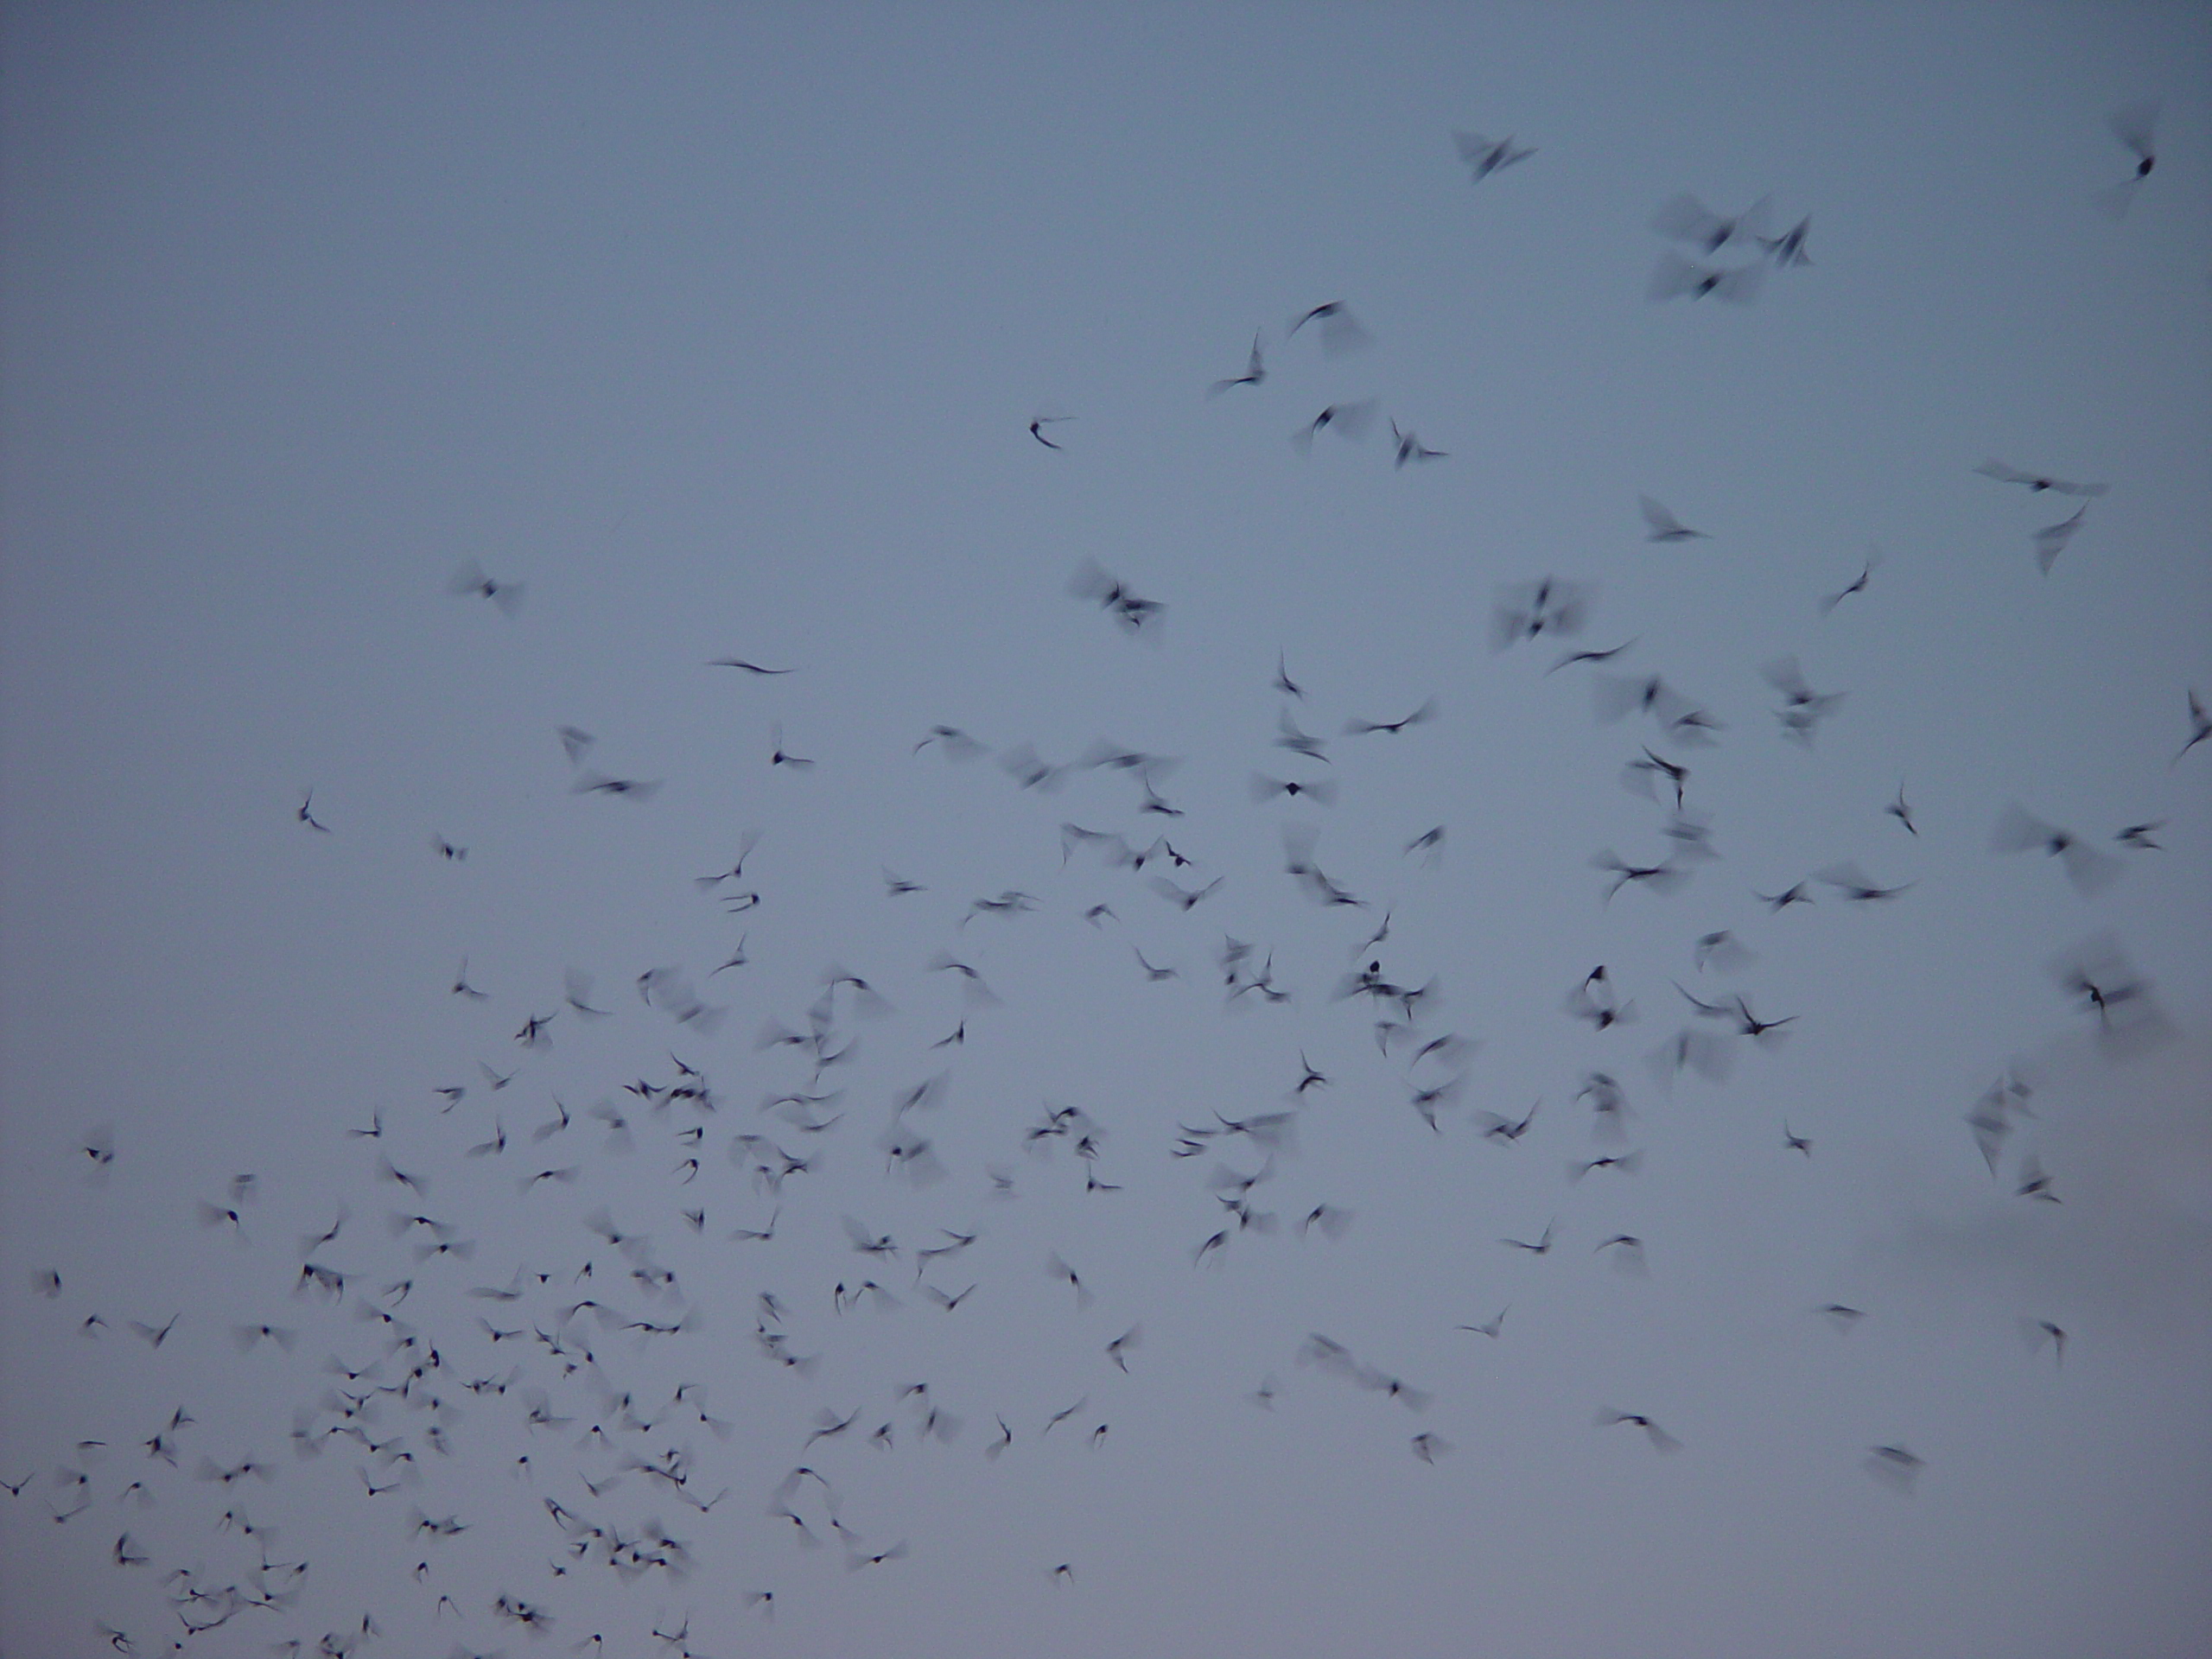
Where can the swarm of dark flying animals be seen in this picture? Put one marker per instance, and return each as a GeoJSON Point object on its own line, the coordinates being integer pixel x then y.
{"type": "Point", "coordinates": [546, 1350]}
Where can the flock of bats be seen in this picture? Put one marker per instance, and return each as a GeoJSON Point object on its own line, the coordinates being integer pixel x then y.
{"type": "Point", "coordinates": [456, 1372]}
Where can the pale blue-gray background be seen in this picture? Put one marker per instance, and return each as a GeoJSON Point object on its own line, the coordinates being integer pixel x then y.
{"type": "Point", "coordinates": [721, 330]}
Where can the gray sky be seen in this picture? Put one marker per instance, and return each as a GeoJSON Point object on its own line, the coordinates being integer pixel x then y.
{"type": "Point", "coordinates": [721, 331]}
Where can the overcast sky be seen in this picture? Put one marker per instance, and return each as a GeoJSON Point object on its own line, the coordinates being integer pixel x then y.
{"type": "Point", "coordinates": [700, 333]}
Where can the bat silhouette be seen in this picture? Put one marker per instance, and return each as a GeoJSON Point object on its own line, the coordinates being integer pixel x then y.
{"type": "Point", "coordinates": [1488, 156]}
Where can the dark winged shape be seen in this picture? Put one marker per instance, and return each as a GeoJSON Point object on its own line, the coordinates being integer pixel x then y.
{"type": "Point", "coordinates": [1685, 219]}
{"type": "Point", "coordinates": [2090, 869]}
{"type": "Point", "coordinates": [2136, 127]}
{"type": "Point", "coordinates": [2038, 481]}
{"type": "Point", "coordinates": [1347, 420]}
{"type": "Point", "coordinates": [1488, 156]}
{"type": "Point", "coordinates": [1256, 371]}
{"type": "Point", "coordinates": [1410, 447]}
{"type": "Point", "coordinates": [470, 582]}
{"type": "Point", "coordinates": [2200, 727]}
{"type": "Point", "coordinates": [1675, 277]}
{"type": "Point", "coordinates": [1830, 601]}
{"type": "Point", "coordinates": [1360, 727]}
{"type": "Point", "coordinates": [1115, 597]}
{"type": "Point", "coordinates": [1340, 330]}
{"type": "Point", "coordinates": [1789, 248]}
{"type": "Point", "coordinates": [1662, 526]}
